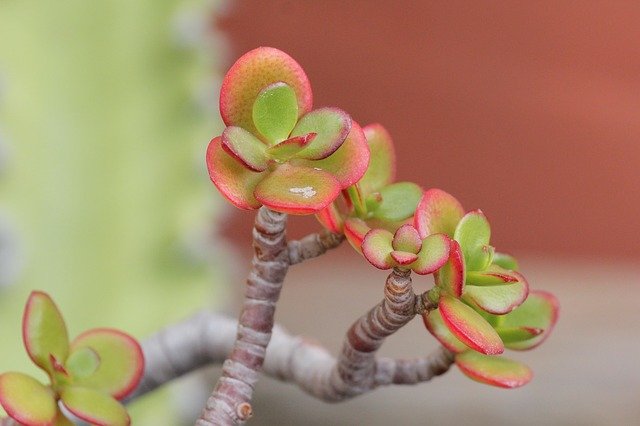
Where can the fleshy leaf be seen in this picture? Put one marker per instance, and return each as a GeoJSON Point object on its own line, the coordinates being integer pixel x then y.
{"type": "Point", "coordinates": [403, 258]}
{"type": "Point", "coordinates": [437, 212]}
{"type": "Point", "coordinates": [349, 162]}
{"type": "Point", "coordinates": [451, 276]}
{"type": "Point", "coordinates": [517, 334]}
{"type": "Point", "coordinates": [355, 230]}
{"type": "Point", "coordinates": [493, 275]}
{"type": "Point", "coordinates": [94, 406]}
{"type": "Point", "coordinates": [331, 218]}
{"type": "Point", "coordinates": [275, 111]}
{"type": "Point", "coordinates": [540, 310]}
{"type": "Point", "coordinates": [251, 73]}
{"type": "Point", "coordinates": [331, 125]}
{"type": "Point", "coordinates": [468, 326]}
{"type": "Point", "coordinates": [43, 331]}
{"type": "Point", "coordinates": [473, 233]}
{"type": "Point", "coordinates": [290, 147]}
{"type": "Point", "coordinates": [245, 148]}
{"type": "Point", "coordinates": [433, 255]}
{"type": "Point", "coordinates": [382, 166]}
{"type": "Point", "coordinates": [493, 370]}
{"type": "Point", "coordinates": [26, 400]}
{"type": "Point", "coordinates": [121, 361]}
{"type": "Point", "coordinates": [232, 179]}
{"type": "Point", "coordinates": [497, 299]}
{"type": "Point", "coordinates": [505, 261]}
{"type": "Point", "coordinates": [407, 239]}
{"type": "Point", "coordinates": [377, 248]}
{"type": "Point", "coordinates": [82, 362]}
{"type": "Point", "coordinates": [436, 326]}
{"type": "Point", "coordinates": [399, 201]}
{"type": "Point", "coordinates": [297, 190]}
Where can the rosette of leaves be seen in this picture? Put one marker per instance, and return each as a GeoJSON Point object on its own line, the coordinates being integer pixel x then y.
{"type": "Point", "coordinates": [375, 201]}
{"type": "Point", "coordinates": [276, 151]}
{"type": "Point", "coordinates": [88, 376]}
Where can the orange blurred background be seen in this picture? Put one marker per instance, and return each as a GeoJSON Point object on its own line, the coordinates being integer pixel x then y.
{"type": "Point", "coordinates": [527, 110]}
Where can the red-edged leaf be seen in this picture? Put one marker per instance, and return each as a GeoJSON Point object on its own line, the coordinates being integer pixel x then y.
{"type": "Point", "coordinates": [382, 166]}
{"type": "Point", "coordinates": [505, 261]}
{"type": "Point", "coordinates": [233, 180]}
{"type": "Point", "coordinates": [468, 326]}
{"type": "Point", "coordinates": [377, 248]}
{"type": "Point", "coordinates": [407, 239]}
{"type": "Point", "coordinates": [473, 233]}
{"type": "Point", "coordinates": [349, 162]}
{"type": "Point", "coordinates": [26, 400]}
{"type": "Point", "coordinates": [251, 73]}
{"type": "Point", "coordinates": [290, 147]}
{"type": "Point", "coordinates": [121, 362]}
{"type": "Point", "coordinates": [275, 111]}
{"type": "Point", "coordinates": [436, 326]}
{"type": "Point", "coordinates": [433, 255]}
{"type": "Point", "coordinates": [517, 334]}
{"type": "Point", "coordinates": [493, 275]}
{"type": "Point", "coordinates": [331, 219]}
{"type": "Point", "coordinates": [94, 406]}
{"type": "Point", "coordinates": [297, 190]}
{"type": "Point", "coordinates": [451, 276]}
{"type": "Point", "coordinates": [331, 126]}
{"type": "Point", "coordinates": [437, 212]}
{"type": "Point", "coordinates": [403, 258]}
{"type": "Point", "coordinates": [355, 230]}
{"type": "Point", "coordinates": [493, 370]}
{"type": "Point", "coordinates": [497, 299]}
{"type": "Point", "coordinates": [540, 311]}
{"type": "Point", "coordinates": [44, 332]}
{"type": "Point", "coordinates": [246, 148]}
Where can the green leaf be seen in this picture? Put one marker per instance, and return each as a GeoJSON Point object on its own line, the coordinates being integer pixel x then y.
{"type": "Point", "coordinates": [94, 406]}
{"type": "Point", "coordinates": [436, 326]}
{"type": "Point", "coordinates": [297, 190]}
{"type": "Point", "coordinates": [497, 299]}
{"type": "Point", "coordinates": [331, 125]}
{"type": "Point", "coordinates": [382, 166]}
{"type": "Point", "coordinates": [437, 212]}
{"type": "Point", "coordinates": [517, 334]}
{"type": "Point", "coordinates": [275, 111]}
{"type": "Point", "coordinates": [377, 248]}
{"type": "Point", "coordinates": [433, 254]}
{"type": "Point", "coordinates": [120, 366]}
{"type": "Point", "coordinates": [399, 201]}
{"type": "Point", "coordinates": [473, 233]}
{"type": "Point", "coordinates": [469, 327]}
{"type": "Point", "coordinates": [44, 331]}
{"type": "Point", "coordinates": [26, 400]}
{"type": "Point", "coordinates": [540, 311]}
{"type": "Point", "coordinates": [505, 261]}
{"type": "Point", "coordinates": [493, 275]}
{"type": "Point", "coordinates": [451, 276]}
{"type": "Point", "coordinates": [402, 258]}
{"type": "Point", "coordinates": [407, 239]}
{"type": "Point", "coordinates": [233, 180]}
{"type": "Point", "coordinates": [245, 148]}
{"type": "Point", "coordinates": [355, 230]}
{"type": "Point", "coordinates": [286, 149]}
{"type": "Point", "coordinates": [82, 362]}
{"type": "Point", "coordinates": [349, 162]}
{"type": "Point", "coordinates": [493, 370]}
{"type": "Point", "coordinates": [253, 72]}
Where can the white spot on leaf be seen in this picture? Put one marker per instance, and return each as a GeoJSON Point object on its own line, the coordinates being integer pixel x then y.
{"type": "Point", "coordinates": [306, 192]}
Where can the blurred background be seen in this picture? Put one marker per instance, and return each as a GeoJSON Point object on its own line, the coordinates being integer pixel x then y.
{"type": "Point", "coordinates": [528, 110]}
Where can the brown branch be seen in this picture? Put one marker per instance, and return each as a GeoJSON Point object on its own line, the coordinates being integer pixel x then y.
{"type": "Point", "coordinates": [8, 421]}
{"type": "Point", "coordinates": [312, 246]}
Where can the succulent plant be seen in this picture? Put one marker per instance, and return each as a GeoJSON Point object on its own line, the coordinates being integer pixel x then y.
{"type": "Point", "coordinates": [87, 375]}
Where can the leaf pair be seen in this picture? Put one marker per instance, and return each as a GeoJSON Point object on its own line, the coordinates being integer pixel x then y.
{"type": "Point", "coordinates": [524, 328]}
{"type": "Point", "coordinates": [275, 150]}
{"type": "Point", "coordinates": [88, 375]}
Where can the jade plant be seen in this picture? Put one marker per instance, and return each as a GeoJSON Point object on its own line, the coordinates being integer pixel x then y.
{"type": "Point", "coordinates": [280, 155]}
{"type": "Point", "coordinates": [87, 376]}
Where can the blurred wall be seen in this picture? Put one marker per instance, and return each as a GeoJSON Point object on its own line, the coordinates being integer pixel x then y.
{"type": "Point", "coordinates": [528, 110]}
